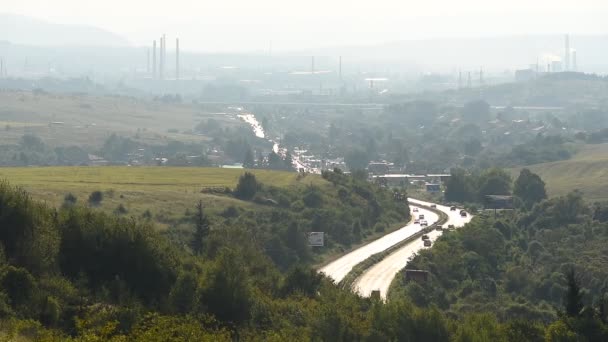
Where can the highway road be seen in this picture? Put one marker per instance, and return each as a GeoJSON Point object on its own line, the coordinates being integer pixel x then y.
{"type": "Point", "coordinates": [380, 275]}
{"type": "Point", "coordinates": [339, 268]}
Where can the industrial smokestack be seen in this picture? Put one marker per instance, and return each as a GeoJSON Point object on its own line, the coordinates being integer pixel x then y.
{"type": "Point", "coordinates": [459, 79]}
{"type": "Point", "coordinates": [574, 66]}
{"type": "Point", "coordinates": [176, 58]}
{"type": "Point", "coordinates": [154, 59]}
{"type": "Point", "coordinates": [148, 61]}
{"type": "Point", "coordinates": [567, 54]}
{"type": "Point", "coordinates": [469, 83]}
{"type": "Point", "coordinates": [161, 52]}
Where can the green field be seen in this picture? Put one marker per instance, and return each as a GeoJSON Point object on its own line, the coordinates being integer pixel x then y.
{"type": "Point", "coordinates": [166, 191]}
{"type": "Point", "coordinates": [587, 171]}
{"type": "Point", "coordinates": [87, 120]}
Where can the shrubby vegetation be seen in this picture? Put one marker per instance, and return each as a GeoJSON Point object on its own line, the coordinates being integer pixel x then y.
{"type": "Point", "coordinates": [75, 274]}
{"type": "Point", "coordinates": [347, 209]}
{"type": "Point", "coordinates": [523, 266]}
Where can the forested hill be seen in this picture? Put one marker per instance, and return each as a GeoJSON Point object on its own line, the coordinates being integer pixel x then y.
{"type": "Point", "coordinates": [78, 274]}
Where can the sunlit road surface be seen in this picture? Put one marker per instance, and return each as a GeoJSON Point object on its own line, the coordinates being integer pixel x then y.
{"type": "Point", "coordinates": [380, 275]}
{"type": "Point", "coordinates": [339, 268]}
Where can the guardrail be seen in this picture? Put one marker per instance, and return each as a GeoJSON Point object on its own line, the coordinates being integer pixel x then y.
{"type": "Point", "coordinates": [357, 271]}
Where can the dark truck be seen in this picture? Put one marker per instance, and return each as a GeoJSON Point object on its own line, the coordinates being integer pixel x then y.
{"type": "Point", "coordinates": [463, 213]}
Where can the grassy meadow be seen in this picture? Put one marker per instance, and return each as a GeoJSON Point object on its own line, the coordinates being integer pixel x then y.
{"type": "Point", "coordinates": [166, 191]}
{"type": "Point", "coordinates": [587, 171]}
{"type": "Point", "coordinates": [87, 120]}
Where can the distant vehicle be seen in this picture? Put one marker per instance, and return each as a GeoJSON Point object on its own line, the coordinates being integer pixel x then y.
{"type": "Point", "coordinates": [421, 216]}
{"type": "Point", "coordinates": [451, 226]}
{"type": "Point", "coordinates": [416, 221]}
{"type": "Point", "coordinates": [453, 208]}
{"type": "Point", "coordinates": [439, 228]}
{"type": "Point", "coordinates": [423, 223]}
{"type": "Point", "coordinates": [463, 213]}
{"type": "Point", "coordinates": [425, 237]}
{"type": "Point", "coordinates": [427, 243]}
{"type": "Point", "coordinates": [433, 205]}
{"type": "Point", "coordinates": [415, 210]}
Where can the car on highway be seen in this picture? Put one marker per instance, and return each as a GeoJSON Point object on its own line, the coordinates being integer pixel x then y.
{"type": "Point", "coordinates": [463, 213]}
{"type": "Point", "coordinates": [433, 205]}
{"type": "Point", "coordinates": [415, 210]}
{"type": "Point", "coordinates": [423, 223]}
{"type": "Point", "coordinates": [452, 208]}
{"type": "Point", "coordinates": [451, 226]}
{"type": "Point", "coordinates": [439, 228]}
{"type": "Point", "coordinates": [427, 243]}
{"type": "Point", "coordinates": [421, 216]}
{"type": "Point", "coordinates": [425, 237]}
{"type": "Point", "coordinates": [416, 221]}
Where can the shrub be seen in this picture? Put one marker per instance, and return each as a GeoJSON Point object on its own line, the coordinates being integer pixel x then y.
{"type": "Point", "coordinates": [95, 198]}
{"type": "Point", "coordinates": [69, 200]}
{"type": "Point", "coordinates": [120, 210]}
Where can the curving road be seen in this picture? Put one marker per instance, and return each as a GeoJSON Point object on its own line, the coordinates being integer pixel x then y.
{"type": "Point", "coordinates": [380, 275]}
{"type": "Point", "coordinates": [339, 268]}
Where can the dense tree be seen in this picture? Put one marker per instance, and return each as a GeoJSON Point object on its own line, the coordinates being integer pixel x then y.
{"type": "Point", "coordinates": [476, 111]}
{"type": "Point", "coordinates": [275, 162]}
{"type": "Point", "coordinates": [201, 229]}
{"type": "Point", "coordinates": [249, 162]}
{"type": "Point", "coordinates": [247, 186]}
{"type": "Point", "coordinates": [227, 292]}
{"type": "Point", "coordinates": [472, 147]}
{"type": "Point", "coordinates": [459, 187]}
{"type": "Point", "coordinates": [357, 159]}
{"type": "Point", "coordinates": [493, 182]}
{"type": "Point", "coordinates": [573, 300]}
{"type": "Point", "coordinates": [529, 187]}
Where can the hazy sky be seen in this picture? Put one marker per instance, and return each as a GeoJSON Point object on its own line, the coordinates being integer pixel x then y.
{"type": "Point", "coordinates": [237, 25]}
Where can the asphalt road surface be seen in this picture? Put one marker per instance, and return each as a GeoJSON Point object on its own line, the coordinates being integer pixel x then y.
{"type": "Point", "coordinates": [380, 275]}
{"type": "Point", "coordinates": [339, 268]}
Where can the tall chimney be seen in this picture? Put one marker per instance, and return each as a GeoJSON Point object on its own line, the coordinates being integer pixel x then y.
{"type": "Point", "coordinates": [469, 83]}
{"type": "Point", "coordinates": [574, 66]}
{"type": "Point", "coordinates": [567, 54]}
{"type": "Point", "coordinates": [176, 59]}
{"type": "Point", "coordinates": [161, 52]}
{"type": "Point", "coordinates": [459, 79]}
{"type": "Point", "coordinates": [154, 59]}
{"type": "Point", "coordinates": [147, 60]}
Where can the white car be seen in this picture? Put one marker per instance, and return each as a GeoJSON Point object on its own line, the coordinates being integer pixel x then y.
{"type": "Point", "coordinates": [415, 210]}
{"type": "Point", "coordinates": [416, 221]}
{"type": "Point", "coordinates": [423, 223]}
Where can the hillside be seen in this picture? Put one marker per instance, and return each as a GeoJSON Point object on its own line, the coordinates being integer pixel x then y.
{"type": "Point", "coordinates": [31, 31]}
{"type": "Point", "coordinates": [166, 192]}
{"type": "Point", "coordinates": [586, 171]}
{"type": "Point", "coordinates": [86, 120]}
